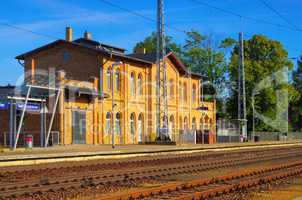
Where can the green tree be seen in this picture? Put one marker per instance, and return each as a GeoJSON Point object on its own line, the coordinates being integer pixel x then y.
{"type": "Point", "coordinates": [295, 113]}
{"type": "Point", "coordinates": [207, 56]}
{"type": "Point", "coordinates": [149, 44]}
{"type": "Point", "coordinates": [263, 58]}
{"type": "Point", "coordinates": [201, 54]}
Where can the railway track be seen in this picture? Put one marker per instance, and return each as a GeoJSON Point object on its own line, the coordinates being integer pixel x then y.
{"type": "Point", "coordinates": [65, 181]}
{"type": "Point", "coordinates": [220, 185]}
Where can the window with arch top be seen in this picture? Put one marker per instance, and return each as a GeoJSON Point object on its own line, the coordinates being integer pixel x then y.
{"type": "Point", "coordinates": [117, 80]}
{"type": "Point", "coordinates": [171, 84]}
{"type": "Point", "coordinates": [185, 92]}
{"type": "Point", "coordinates": [132, 83]}
{"type": "Point", "coordinates": [140, 84]}
{"type": "Point", "coordinates": [108, 78]}
{"type": "Point", "coordinates": [194, 93]}
{"type": "Point", "coordinates": [108, 123]}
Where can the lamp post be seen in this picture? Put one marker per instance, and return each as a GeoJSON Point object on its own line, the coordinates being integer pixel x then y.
{"type": "Point", "coordinates": [112, 99]}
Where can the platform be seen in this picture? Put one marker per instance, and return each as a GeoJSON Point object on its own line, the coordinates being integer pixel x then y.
{"type": "Point", "coordinates": [92, 152]}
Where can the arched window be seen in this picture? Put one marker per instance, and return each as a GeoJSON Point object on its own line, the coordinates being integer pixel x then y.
{"type": "Point", "coordinates": [194, 93]}
{"type": "Point", "coordinates": [132, 127]}
{"type": "Point", "coordinates": [140, 127]}
{"type": "Point", "coordinates": [132, 83]}
{"type": "Point", "coordinates": [186, 123]}
{"type": "Point", "coordinates": [117, 80]}
{"type": "Point", "coordinates": [194, 124]}
{"type": "Point", "coordinates": [140, 84]}
{"type": "Point", "coordinates": [118, 124]}
{"type": "Point", "coordinates": [180, 91]}
{"type": "Point", "coordinates": [108, 123]}
{"type": "Point", "coordinates": [171, 84]}
{"type": "Point", "coordinates": [185, 92]}
{"type": "Point", "coordinates": [108, 78]}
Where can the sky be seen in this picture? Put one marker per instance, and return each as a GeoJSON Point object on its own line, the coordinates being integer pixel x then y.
{"type": "Point", "coordinates": [117, 27]}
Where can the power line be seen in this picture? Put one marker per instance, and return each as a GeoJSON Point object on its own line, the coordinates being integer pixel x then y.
{"type": "Point", "coordinates": [279, 14]}
{"type": "Point", "coordinates": [27, 30]}
{"type": "Point", "coordinates": [245, 17]}
{"type": "Point", "coordinates": [140, 15]}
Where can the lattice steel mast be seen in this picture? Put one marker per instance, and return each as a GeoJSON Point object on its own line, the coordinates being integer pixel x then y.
{"type": "Point", "coordinates": [241, 90]}
{"type": "Point", "coordinates": [161, 80]}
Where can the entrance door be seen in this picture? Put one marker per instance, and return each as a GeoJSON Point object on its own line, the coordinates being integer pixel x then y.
{"type": "Point", "coordinates": [79, 127]}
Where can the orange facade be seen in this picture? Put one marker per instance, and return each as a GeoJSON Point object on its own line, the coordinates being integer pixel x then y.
{"type": "Point", "coordinates": [87, 71]}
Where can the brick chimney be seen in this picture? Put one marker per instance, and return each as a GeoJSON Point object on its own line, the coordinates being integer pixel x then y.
{"type": "Point", "coordinates": [87, 35]}
{"type": "Point", "coordinates": [68, 36]}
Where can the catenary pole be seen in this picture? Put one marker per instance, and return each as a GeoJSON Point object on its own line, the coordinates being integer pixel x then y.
{"type": "Point", "coordinates": [244, 128]}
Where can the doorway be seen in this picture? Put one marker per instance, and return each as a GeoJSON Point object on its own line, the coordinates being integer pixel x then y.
{"type": "Point", "coordinates": [79, 127]}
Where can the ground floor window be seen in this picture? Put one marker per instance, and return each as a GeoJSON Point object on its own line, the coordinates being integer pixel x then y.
{"type": "Point", "coordinates": [140, 127]}
{"type": "Point", "coordinates": [118, 124]}
{"type": "Point", "coordinates": [132, 127]}
{"type": "Point", "coordinates": [108, 123]}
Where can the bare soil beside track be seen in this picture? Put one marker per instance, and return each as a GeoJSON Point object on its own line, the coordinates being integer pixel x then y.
{"type": "Point", "coordinates": [288, 189]}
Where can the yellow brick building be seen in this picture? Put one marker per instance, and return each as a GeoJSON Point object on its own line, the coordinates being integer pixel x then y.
{"type": "Point", "coordinates": [86, 71]}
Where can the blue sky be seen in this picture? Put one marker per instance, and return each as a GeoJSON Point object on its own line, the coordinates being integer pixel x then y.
{"type": "Point", "coordinates": [116, 27]}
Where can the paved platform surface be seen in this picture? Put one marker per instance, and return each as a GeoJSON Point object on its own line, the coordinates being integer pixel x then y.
{"type": "Point", "coordinates": [89, 152]}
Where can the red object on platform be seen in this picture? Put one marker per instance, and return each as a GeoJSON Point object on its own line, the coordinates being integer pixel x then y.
{"type": "Point", "coordinates": [28, 138]}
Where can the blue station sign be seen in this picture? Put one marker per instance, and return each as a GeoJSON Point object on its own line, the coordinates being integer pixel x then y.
{"type": "Point", "coordinates": [4, 105]}
{"type": "Point", "coordinates": [29, 106]}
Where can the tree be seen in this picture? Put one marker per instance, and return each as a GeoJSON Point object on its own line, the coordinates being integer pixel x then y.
{"type": "Point", "coordinates": [205, 55]}
{"type": "Point", "coordinates": [264, 61]}
{"type": "Point", "coordinates": [149, 44]}
{"type": "Point", "coordinates": [295, 113]}
{"type": "Point", "coordinates": [201, 54]}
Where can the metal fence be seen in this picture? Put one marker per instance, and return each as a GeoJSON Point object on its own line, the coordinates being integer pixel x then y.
{"type": "Point", "coordinates": [54, 139]}
{"type": "Point", "coordinates": [277, 136]}
{"type": "Point", "coordinates": [228, 139]}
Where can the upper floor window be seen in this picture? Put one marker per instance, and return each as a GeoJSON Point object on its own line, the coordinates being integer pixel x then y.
{"type": "Point", "coordinates": [108, 78]}
{"type": "Point", "coordinates": [117, 80]}
{"type": "Point", "coordinates": [194, 93]}
{"type": "Point", "coordinates": [180, 91]}
{"type": "Point", "coordinates": [171, 84]}
{"type": "Point", "coordinates": [132, 83]}
{"type": "Point", "coordinates": [185, 92]}
{"type": "Point", "coordinates": [140, 84]}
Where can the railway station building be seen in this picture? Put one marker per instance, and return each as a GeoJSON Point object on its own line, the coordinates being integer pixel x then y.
{"type": "Point", "coordinates": [93, 88]}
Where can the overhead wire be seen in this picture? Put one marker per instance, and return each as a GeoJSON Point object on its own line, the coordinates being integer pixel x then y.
{"type": "Point", "coordinates": [27, 30]}
{"type": "Point", "coordinates": [279, 14]}
{"type": "Point", "coordinates": [140, 15]}
{"type": "Point", "coordinates": [245, 17]}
